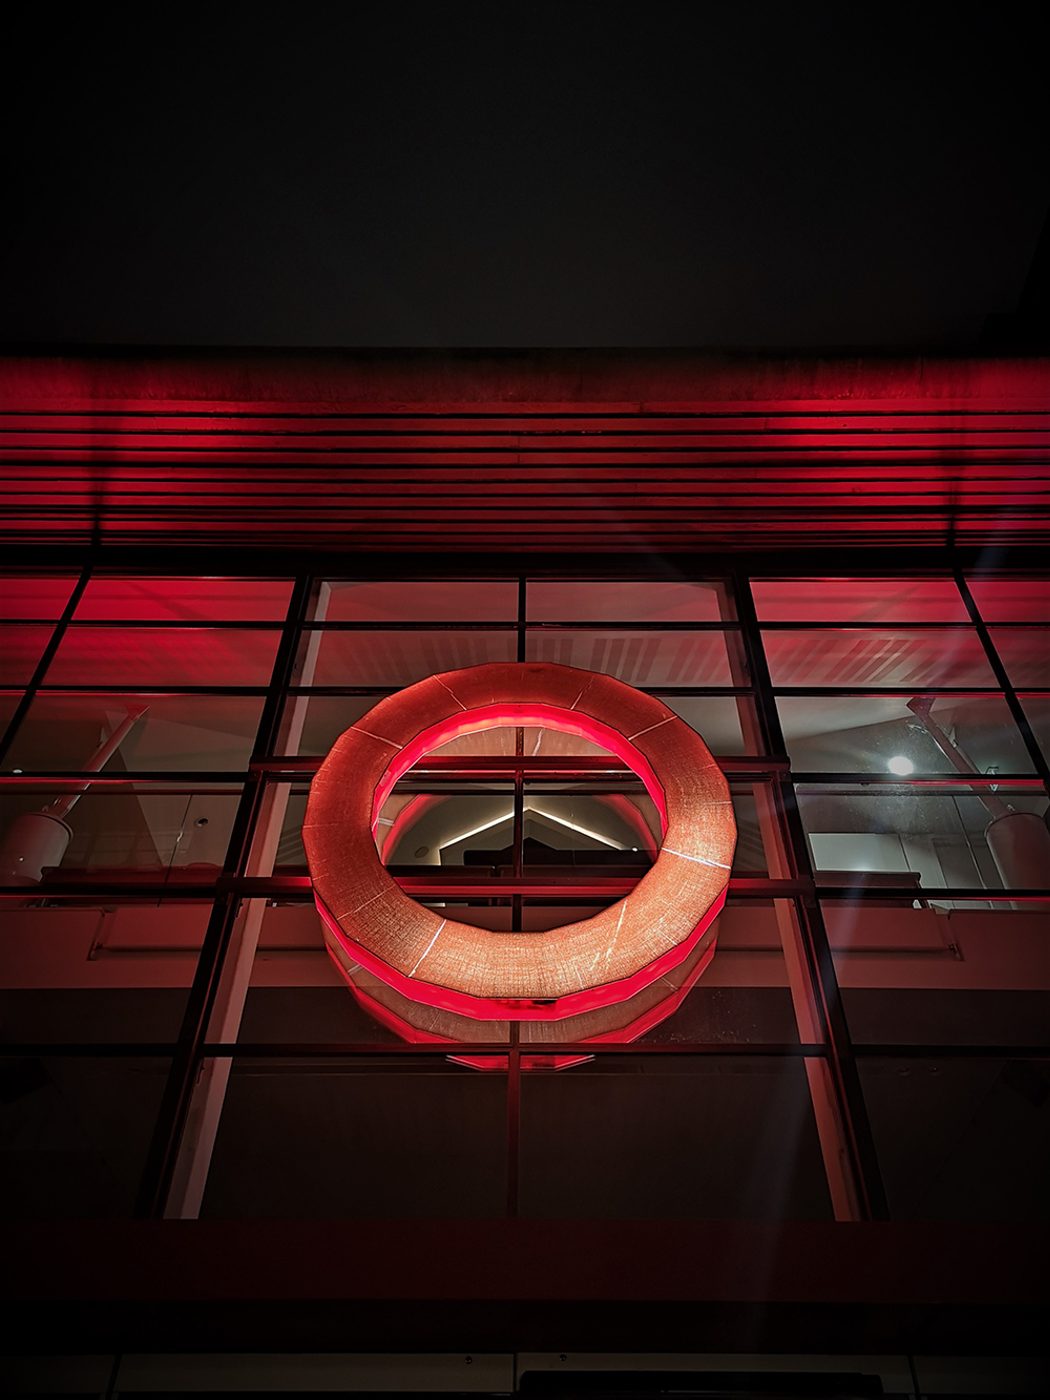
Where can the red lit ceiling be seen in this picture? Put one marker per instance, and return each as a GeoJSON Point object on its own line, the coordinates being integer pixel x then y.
{"type": "Point", "coordinates": [559, 451]}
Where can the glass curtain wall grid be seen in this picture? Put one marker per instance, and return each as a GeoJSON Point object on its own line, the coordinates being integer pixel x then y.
{"type": "Point", "coordinates": [175, 1041]}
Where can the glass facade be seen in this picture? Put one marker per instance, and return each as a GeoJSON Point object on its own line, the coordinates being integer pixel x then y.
{"type": "Point", "coordinates": [177, 1040]}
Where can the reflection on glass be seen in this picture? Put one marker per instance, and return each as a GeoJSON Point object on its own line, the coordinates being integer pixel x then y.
{"type": "Point", "coordinates": [858, 600]}
{"type": "Point", "coordinates": [77, 1132]}
{"type": "Point", "coordinates": [644, 658]}
{"type": "Point", "coordinates": [321, 1138]}
{"type": "Point", "coordinates": [20, 650]}
{"type": "Point", "coordinates": [657, 1120]}
{"type": "Point", "coordinates": [901, 836]}
{"type": "Point", "coordinates": [430, 600]}
{"type": "Point", "coordinates": [147, 733]}
{"type": "Point", "coordinates": [627, 600]}
{"type": "Point", "coordinates": [961, 1138]}
{"type": "Point", "coordinates": [147, 657]}
{"type": "Point", "coordinates": [396, 658]}
{"type": "Point", "coordinates": [34, 597]}
{"type": "Point", "coordinates": [965, 973]}
{"type": "Point", "coordinates": [1012, 600]}
{"type": "Point", "coordinates": [1025, 652]}
{"type": "Point", "coordinates": [876, 658]}
{"type": "Point", "coordinates": [201, 600]}
{"type": "Point", "coordinates": [882, 733]}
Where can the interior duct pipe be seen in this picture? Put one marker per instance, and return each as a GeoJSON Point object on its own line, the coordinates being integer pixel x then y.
{"type": "Point", "coordinates": [1018, 841]}
{"type": "Point", "coordinates": [37, 841]}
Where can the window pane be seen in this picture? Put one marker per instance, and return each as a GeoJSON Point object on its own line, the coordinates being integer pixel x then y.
{"type": "Point", "coordinates": [438, 830]}
{"type": "Point", "coordinates": [929, 839]}
{"type": "Point", "coordinates": [112, 831]}
{"type": "Point", "coordinates": [744, 995]}
{"type": "Point", "coordinates": [961, 1139]}
{"type": "Point", "coordinates": [877, 658]}
{"type": "Point", "coordinates": [539, 743]}
{"type": "Point", "coordinates": [755, 836]}
{"type": "Point", "coordinates": [105, 973]}
{"type": "Point", "coordinates": [76, 1133]}
{"type": "Point", "coordinates": [294, 995]}
{"type": "Point", "coordinates": [161, 733]}
{"type": "Point", "coordinates": [866, 733]}
{"type": "Point", "coordinates": [624, 1138]}
{"type": "Point", "coordinates": [146, 656]}
{"type": "Point", "coordinates": [396, 658]}
{"type": "Point", "coordinates": [539, 914]}
{"type": "Point", "coordinates": [569, 826]}
{"type": "Point", "coordinates": [32, 597]}
{"type": "Point", "coordinates": [329, 1138]}
{"type": "Point", "coordinates": [536, 743]}
{"type": "Point", "coordinates": [424, 830]}
{"type": "Point", "coordinates": [727, 724]}
{"type": "Point", "coordinates": [858, 600]}
{"type": "Point", "coordinates": [1025, 653]}
{"type": "Point", "coordinates": [433, 600]}
{"type": "Point", "coordinates": [8, 705]}
{"type": "Point", "coordinates": [627, 600]}
{"type": "Point", "coordinates": [185, 600]}
{"type": "Point", "coordinates": [20, 650]}
{"type": "Point", "coordinates": [1012, 600]}
{"type": "Point", "coordinates": [721, 721]}
{"type": "Point", "coordinates": [970, 974]}
{"type": "Point", "coordinates": [644, 658]}
{"type": "Point", "coordinates": [577, 825]}
{"type": "Point", "coordinates": [312, 723]}
{"type": "Point", "coordinates": [614, 831]}
{"type": "Point", "coordinates": [1037, 711]}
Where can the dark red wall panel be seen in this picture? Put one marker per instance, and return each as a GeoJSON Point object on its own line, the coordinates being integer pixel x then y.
{"type": "Point", "coordinates": [463, 451]}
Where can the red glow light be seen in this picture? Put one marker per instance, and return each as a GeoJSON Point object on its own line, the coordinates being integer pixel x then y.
{"type": "Point", "coordinates": [570, 971]}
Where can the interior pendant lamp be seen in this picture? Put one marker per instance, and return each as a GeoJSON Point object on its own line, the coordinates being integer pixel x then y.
{"type": "Point", "coordinates": [609, 977]}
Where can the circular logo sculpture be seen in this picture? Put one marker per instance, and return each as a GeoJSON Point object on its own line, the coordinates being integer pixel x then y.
{"type": "Point", "coordinates": [602, 977]}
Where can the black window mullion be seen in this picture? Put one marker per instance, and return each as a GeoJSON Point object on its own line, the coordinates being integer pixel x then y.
{"type": "Point", "coordinates": [513, 1085]}
{"type": "Point", "coordinates": [842, 1055]}
{"type": "Point", "coordinates": [58, 631]}
{"type": "Point", "coordinates": [160, 1163]}
{"type": "Point", "coordinates": [1031, 743]}
{"type": "Point", "coordinates": [820, 965]}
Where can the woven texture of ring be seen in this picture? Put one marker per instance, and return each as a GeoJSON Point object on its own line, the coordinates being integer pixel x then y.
{"type": "Point", "coordinates": [549, 975]}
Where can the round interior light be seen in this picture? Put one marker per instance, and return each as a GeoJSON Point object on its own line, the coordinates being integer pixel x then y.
{"type": "Point", "coordinates": [901, 765]}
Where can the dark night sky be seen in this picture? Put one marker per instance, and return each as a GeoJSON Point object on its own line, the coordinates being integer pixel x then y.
{"type": "Point", "coordinates": [657, 174]}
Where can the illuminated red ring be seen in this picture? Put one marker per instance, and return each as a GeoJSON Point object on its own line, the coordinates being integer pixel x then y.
{"type": "Point", "coordinates": [532, 976]}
